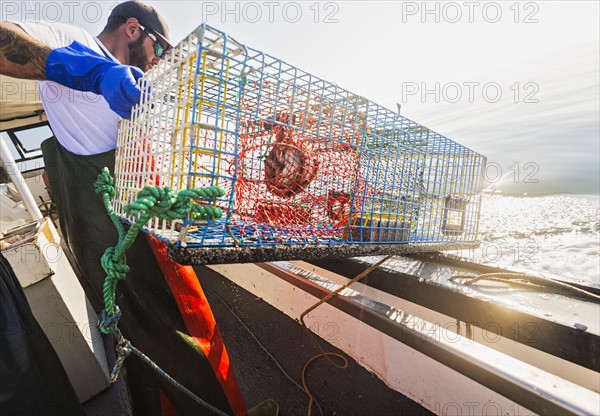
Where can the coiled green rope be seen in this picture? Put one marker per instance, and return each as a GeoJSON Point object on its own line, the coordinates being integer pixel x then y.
{"type": "Point", "coordinates": [163, 203]}
{"type": "Point", "coordinates": [151, 202]}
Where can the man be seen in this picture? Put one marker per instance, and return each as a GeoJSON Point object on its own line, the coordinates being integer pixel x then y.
{"type": "Point", "coordinates": [86, 84]}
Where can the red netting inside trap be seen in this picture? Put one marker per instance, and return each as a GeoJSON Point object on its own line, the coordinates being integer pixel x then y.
{"type": "Point", "coordinates": [298, 174]}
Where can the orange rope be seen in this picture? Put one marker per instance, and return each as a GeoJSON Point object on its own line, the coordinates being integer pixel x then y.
{"type": "Point", "coordinates": [314, 339]}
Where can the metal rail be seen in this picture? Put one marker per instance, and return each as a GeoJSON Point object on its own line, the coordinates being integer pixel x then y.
{"type": "Point", "coordinates": [17, 179]}
{"type": "Point", "coordinates": [535, 389]}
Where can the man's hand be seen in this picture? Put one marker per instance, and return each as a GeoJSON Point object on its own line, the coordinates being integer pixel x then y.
{"type": "Point", "coordinates": [78, 67]}
{"type": "Point", "coordinates": [119, 88]}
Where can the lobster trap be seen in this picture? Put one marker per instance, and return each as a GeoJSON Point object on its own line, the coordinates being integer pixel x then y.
{"type": "Point", "coordinates": [308, 168]}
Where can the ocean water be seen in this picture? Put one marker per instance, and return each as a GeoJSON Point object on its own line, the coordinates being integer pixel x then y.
{"type": "Point", "coordinates": [552, 235]}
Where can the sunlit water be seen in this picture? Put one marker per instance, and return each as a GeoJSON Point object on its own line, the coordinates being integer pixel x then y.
{"type": "Point", "coordinates": [555, 235]}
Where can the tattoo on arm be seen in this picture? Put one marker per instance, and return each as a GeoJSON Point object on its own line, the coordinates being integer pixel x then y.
{"type": "Point", "coordinates": [21, 56]}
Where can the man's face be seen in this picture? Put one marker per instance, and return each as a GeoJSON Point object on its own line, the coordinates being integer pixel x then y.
{"type": "Point", "coordinates": [138, 54]}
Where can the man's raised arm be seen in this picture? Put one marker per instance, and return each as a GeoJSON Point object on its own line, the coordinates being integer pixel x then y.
{"type": "Point", "coordinates": [21, 55]}
{"type": "Point", "coordinates": [75, 66]}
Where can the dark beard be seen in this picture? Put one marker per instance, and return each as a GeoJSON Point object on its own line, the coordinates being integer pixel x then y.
{"type": "Point", "coordinates": [137, 54]}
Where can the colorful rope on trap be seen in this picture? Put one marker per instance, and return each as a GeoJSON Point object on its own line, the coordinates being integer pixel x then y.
{"type": "Point", "coordinates": [163, 203]}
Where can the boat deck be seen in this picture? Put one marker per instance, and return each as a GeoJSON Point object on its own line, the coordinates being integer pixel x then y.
{"type": "Point", "coordinates": [351, 391]}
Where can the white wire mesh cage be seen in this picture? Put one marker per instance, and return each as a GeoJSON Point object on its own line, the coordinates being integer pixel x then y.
{"type": "Point", "coordinates": [302, 161]}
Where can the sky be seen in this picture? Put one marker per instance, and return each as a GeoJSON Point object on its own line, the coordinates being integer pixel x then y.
{"type": "Point", "coordinates": [515, 81]}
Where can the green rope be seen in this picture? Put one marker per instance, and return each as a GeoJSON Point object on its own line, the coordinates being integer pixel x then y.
{"type": "Point", "coordinates": [105, 186]}
{"type": "Point", "coordinates": [151, 202]}
{"type": "Point", "coordinates": [165, 204]}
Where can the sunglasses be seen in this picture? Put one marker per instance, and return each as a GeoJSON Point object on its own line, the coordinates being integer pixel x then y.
{"type": "Point", "coordinates": [159, 49]}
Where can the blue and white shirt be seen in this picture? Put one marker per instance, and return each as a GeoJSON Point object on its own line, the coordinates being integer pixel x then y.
{"type": "Point", "coordinates": [82, 122]}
